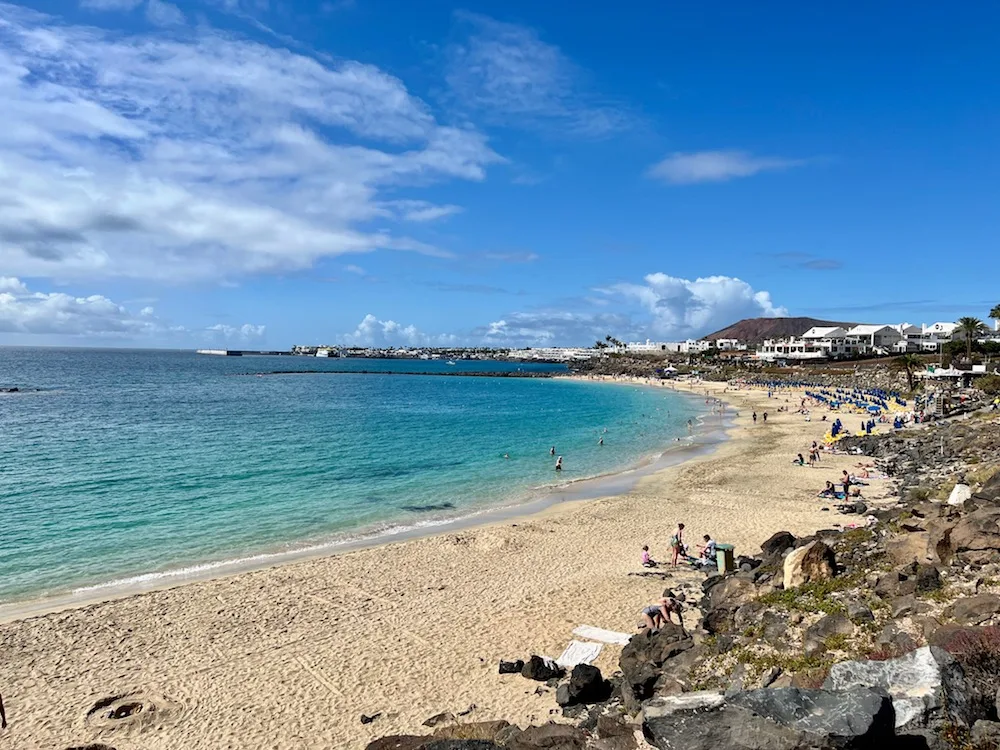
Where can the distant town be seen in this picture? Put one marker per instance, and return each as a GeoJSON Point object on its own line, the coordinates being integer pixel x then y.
{"type": "Point", "coordinates": [766, 340]}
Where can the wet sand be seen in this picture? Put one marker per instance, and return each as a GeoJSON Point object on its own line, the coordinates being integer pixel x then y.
{"type": "Point", "coordinates": [292, 656]}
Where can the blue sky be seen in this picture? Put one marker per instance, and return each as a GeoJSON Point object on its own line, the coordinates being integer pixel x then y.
{"type": "Point", "coordinates": [258, 173]}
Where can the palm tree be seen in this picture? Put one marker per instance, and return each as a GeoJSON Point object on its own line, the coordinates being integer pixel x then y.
{"type": "Point", "coordinates": [909, 363]}
{"type": "Point", "coordinates": [971, 328]}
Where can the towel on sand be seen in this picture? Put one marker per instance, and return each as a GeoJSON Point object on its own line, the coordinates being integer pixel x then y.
{"type": "Point", "coordinates": [604, 636]}
{"type": "Point", "coordinates": [578, 652]}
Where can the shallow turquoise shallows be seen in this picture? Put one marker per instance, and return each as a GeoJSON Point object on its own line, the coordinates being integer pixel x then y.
{"type": "Point", "coordinates": [121, 464]}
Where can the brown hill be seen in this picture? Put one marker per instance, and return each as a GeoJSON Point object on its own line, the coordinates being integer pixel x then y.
{"type": "Point", "coordinates": [755, 330]}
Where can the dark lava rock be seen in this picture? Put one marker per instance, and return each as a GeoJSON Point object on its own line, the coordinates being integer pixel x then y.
{"type": "Point", "coordinates": [493, 731]}
{"type": "Point", "coordinates": [645, 654]}
{"type": "Point", "coordinates": [928, 578]}
{"type": "Point", "coordinates": [586, 685]}
{"type": "Point", "coordinates": [511, 667]}
{"type": "Point", "coordinates": [975, 610]}
{"type": "Point", "coordinates": [859, 613]}
{"type": "Point", "coordinates": [554, 736]}
{"type": "Point", "coordinates": [777, 544]}
{"type": "Point", "coordinates": [815, 637]}
{"type": "Point", "coordinates": [541, 669]}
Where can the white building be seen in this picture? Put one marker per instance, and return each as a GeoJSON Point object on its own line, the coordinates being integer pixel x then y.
{"type": "Point", "coordinates": [831, 339]}
{"type": "Point", "coordinates": [874, 339]}
{"type": "Point", "coordinates": [936, 336]}
{"type": "Point", "coordinates": [730, 345]}
{"type": "Point", "coordinates": [649, 347]}
{"type": "Point", "coordinates": [911, 338]}
{"type": "Point", "coordinates": [791, 348]}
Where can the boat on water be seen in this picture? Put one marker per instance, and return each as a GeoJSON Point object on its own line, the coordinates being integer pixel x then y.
{"type": "Point", "coordinates": [451, 362]}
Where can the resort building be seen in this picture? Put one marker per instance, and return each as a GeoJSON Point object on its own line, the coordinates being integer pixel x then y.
{"type": "Point", "coordinates": [936, 336]}
{"type": "Point", "coordinates": [874, 339]}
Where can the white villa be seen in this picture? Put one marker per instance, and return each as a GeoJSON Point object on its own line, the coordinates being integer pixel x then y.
{"type": "Point", "coordinates": [819, 343]}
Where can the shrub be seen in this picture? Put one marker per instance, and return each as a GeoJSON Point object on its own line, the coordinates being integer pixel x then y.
{"type": "Point", "coordinates": [989, 384]}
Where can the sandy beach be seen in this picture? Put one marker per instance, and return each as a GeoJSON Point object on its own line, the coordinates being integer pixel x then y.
{"type": "Point", "coordinates": [292, 656]}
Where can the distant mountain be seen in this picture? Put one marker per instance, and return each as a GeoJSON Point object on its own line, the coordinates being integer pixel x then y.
{"type": "Point", "coordinates": [755, 330]}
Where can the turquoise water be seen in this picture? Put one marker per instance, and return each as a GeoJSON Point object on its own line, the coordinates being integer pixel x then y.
{"type": "Point", "coordinates": [126, 464]}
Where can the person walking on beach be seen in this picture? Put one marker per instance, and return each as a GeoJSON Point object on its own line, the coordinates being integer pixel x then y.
{"type": "Point", "coordinates": [677, 543]}
{"type": "Point", "coordinates": [755, 417]}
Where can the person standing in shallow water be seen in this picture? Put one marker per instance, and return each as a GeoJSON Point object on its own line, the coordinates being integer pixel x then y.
{"type": "Point", "coordinates": [559, 464]}
{"type": "Point", "coordinates": [552, 451]}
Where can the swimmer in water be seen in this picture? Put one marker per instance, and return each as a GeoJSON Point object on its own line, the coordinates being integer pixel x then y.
{"type": "Point", "coordinates": [601, 441]}
{"type": "Point", "coordinates": [552, 451]}
{"type": "Point", "coordinates": [559, 464]}
{"type": "Point", "coordinates": [506, 455]}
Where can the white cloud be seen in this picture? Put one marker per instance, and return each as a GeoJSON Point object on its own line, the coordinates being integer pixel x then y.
{"type": "Point", "coordinates": [25, 312]}
{"type": "Point", "coordinates": [245, 332]}
{"type": "Point", "coordinates": [507, 72]}
{"type": "Point", "coordinates": [42, 316]}
{"type": "Point", "coordinates": [716, 166]}
{"type": "Point", "coordinates": [553, 328]}
{"type": "Point", "coordinates": [681, 308]}
{"type": "Point", "coordinates": [356, 270]}
{"type": "Point", "coordinates": [663, 308]}
{"type": "Point", "coordinates": [384, 333]}
{"type": "Point", "coordinates": [414, 210]}
{"type": "Point", "coordinates": [164, 14]}
{"type": "Point", "coordinates": [204, 156]}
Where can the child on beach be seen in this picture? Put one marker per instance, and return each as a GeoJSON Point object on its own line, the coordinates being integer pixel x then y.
{"type": "Point", "coordinates": [647, 561]}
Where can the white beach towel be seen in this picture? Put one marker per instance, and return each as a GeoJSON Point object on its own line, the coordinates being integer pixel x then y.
{"type": "Point", "coordinates": [578, 652]}
{"type": "Point", "coordinates": [604, 636]}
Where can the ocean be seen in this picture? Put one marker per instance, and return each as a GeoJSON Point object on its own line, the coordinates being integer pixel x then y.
{"type": "Point", "coordinates": [120, 467]}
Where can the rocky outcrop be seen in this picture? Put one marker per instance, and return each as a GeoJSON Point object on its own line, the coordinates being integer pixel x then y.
{"type": "Point", "coordinates": [776, 719]}
{"type": "Point", "coordinates": [927, 688]}
{"type": "Point", "coordinates": [643, 659]}
{"type": "Point", "coordinates": [585, 685]}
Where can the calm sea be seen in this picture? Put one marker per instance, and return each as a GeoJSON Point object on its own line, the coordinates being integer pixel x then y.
{"type": "Point", "coordinates": [118, 466]}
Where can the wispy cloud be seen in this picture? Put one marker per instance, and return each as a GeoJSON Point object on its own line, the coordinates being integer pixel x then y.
{"type": "Point", "coordinates": [121, 5]}
{"type": "Point", "coordinates": [201, 155]}
{"type": "Point", "coordinates": [356, 270]}
{"type": "Point", "coordinates": [163, 13]}
{"type": "Point", "coordinates": [716, 166]}
{"type": "Point", "coordinates": [515, 256]}
{"type": "Point", "coordinates": [467, 288]}
{"type": "Point", "coordinates": [806, 261]}
{"type": "Point", "coordinates": [508, 73]}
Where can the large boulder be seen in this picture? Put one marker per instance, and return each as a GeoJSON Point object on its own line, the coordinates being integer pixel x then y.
{"type": "Point", "coordinates": [927, 687]}
{"type": "Point", "coordinates": [974, 610]}
{"type": "Point", "coordinates": [809, 564]}
{"type": "Point", "coordinates": [819, 718]}
{"type": "Point", "coordinates": [586, 685]}
{"type": "Point", "coordinates": [493, 731]}
{"type": "Point", "coordinates": [989, 492]}
{"type": "Point", "coordinates": [645, 654]}
{"type": "Point", "coordinates": [772, 719]}
{"type": "Point", "coordinates": [777, 544]}
{"type": "Point", "coordinates": [903, 549]}
{"type": "Point", "coordinates": [976, 537]}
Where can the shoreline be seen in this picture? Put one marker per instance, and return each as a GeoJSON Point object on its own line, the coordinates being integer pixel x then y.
{"type": "Point", "coordinates": [534, 501]}
{"type": "Point", "coordinates": [292, 655]}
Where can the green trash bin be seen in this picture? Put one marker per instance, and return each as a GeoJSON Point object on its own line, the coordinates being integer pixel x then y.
{"type": "Point", "coordinates": [724, 557]}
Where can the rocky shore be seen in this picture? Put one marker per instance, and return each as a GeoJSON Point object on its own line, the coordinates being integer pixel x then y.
{"type": "Point", "coordinates": [885, 633]}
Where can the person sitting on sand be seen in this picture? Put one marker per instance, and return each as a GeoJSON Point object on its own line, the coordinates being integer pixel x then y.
{"type": "Point", "coordinates": [707, 552]}
{"type": "Point", "coordinates": [828, 491]}
{"type": "Point", "coordinates": [677, 543]}
{"type": "Point", "coordinates": [647, 561]}
{"type": "Point", "coordinates": [799, 460]}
